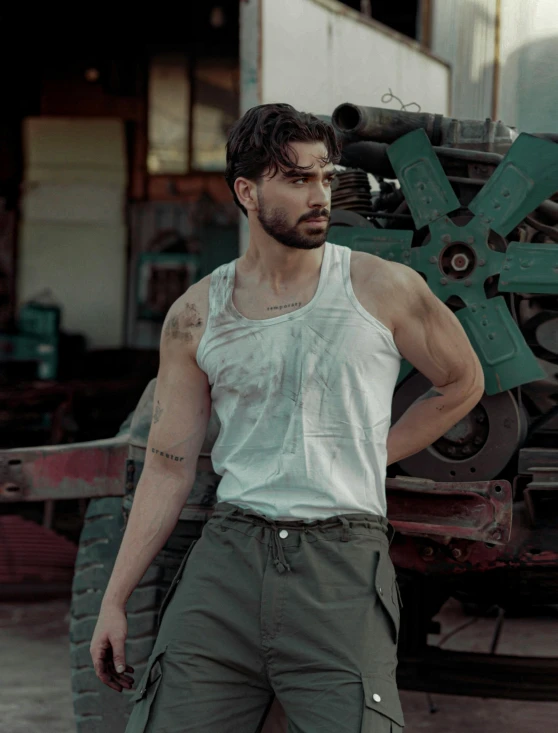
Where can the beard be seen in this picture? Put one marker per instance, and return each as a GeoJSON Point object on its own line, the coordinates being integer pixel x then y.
{"type": "Point", "coordinates": [275, 223]}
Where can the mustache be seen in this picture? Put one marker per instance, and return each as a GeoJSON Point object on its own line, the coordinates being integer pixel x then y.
{"type": "Point", "coordinates": [317, 213]}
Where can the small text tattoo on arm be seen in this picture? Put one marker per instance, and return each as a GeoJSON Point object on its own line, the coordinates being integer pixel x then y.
{"type": "Point", "coordinates": [281, 307]}
{"type": "Point", "coordinates": [164, 454]}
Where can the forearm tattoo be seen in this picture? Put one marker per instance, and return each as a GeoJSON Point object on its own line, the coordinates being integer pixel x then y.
{"type": "Point", "coordinates": [157, 412]}
{"type": "Point", "coordinates": [181, 326]}
{"type": "Point", "coordinates": [164, 454]}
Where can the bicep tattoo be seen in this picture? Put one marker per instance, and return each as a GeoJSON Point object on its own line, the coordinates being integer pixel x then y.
{"type": "Point", "coordinates": [180, 326]}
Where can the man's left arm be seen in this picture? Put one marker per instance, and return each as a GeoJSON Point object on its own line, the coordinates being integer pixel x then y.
{"type": "Point", "coordinates": [432, 339]}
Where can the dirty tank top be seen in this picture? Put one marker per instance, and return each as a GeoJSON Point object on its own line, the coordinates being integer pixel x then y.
{"type": "Point", "coordinates": [303, 400]}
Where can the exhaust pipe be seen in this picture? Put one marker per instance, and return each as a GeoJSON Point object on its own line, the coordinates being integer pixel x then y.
{"type": "Point", "coordinates": [384, 125]}
{"type": "Point", "coordinates": [387, 125]}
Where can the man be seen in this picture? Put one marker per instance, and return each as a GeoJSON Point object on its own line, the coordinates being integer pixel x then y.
{"type": "Point", "coordinates": [296, 346]}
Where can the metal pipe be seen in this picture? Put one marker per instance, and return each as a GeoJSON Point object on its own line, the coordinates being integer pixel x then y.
{"type": "Point", "coordinates": [469, 156]}
{"type": "Point", "coordinates": [549, 208]}
{"type": "Point", "coordinates": [373, 158]}
{"type": "Point", "coordinates": [384, 125]}
{"type": "Point", "coordinates": [388, 125]}
{"type": "Point", "coordinates": [548, 231]}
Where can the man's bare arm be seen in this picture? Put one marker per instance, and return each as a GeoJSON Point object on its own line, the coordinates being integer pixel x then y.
{"type": "Point", "coordinates": [180, 417]}
{"type": "Point", "coordinates": [432, 339]}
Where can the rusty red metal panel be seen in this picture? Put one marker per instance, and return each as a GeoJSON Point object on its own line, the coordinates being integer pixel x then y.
{"type": "Point", "coordinates": [30, 553]}
{"type": "Point", "coordinates": [479, 510]}
{"type": "Point", "coordinates": [527, 548]}
{"type": "Point", "coordinates": [79, 470]}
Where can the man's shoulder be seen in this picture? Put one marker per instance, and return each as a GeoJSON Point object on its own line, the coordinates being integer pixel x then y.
{"type": "Point", "coordinates": [390, 291]}
{"type": "Point", "coordinates": [186, 319]}
{"type": "Point", "coordinates": [385, 275]}
{"type": "Point", "coordinates": [196, 296]}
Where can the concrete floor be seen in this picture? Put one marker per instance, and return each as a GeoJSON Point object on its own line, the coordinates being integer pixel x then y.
{"type": "Point", "coordinates": [35, 694]}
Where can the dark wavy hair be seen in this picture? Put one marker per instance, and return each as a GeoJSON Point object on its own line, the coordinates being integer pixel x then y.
{"type": "Point", "coordinates": [261, 141]}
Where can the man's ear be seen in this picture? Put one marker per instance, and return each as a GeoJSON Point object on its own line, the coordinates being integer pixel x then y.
{"type": "Point", "coordinates": [247, 193]}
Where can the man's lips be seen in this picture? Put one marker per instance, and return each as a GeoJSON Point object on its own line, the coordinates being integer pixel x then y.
{"type": "Point", "coordinates": [318, 219]}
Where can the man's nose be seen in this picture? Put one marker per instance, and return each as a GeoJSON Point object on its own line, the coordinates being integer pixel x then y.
{"type": "Point", "coordinates": [320, 196]}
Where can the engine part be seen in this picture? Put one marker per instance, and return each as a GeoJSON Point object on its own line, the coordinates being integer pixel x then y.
{"type": "Point", "coordinates": [459, 261]}
{"type": "Point", "coordinates": [352, 191]}
{"type": "Point", "coordinates": [342, 218]}
{"type": "Point", "coordinates": [541, 333]}
{"type": "Point", "coordinates": [388, 125]}
{"type": "Point", "coordinates": [373, 157]}
{"type": "Point", "coordinates": [477, 448]}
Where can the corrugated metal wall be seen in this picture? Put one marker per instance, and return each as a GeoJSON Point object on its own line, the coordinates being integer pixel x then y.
{"type": "Point", "coordinates": [529, 61]}
{"type": "Point", "coordinates": [463, 33]}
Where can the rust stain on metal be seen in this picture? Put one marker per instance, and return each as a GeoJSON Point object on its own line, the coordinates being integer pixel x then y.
{"type": "Point", "coordinates": [480, 511]}
{"type": "Point", "coordinates": [92, 469]}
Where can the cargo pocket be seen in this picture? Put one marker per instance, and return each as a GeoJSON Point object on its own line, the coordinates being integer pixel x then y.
{"type": "Point", "coordinates": [174, 584]}
{"type": "Point", "coordinates": [388, 592]}
{"type": "Point", "coordinates": [142, 700]}
{"type": "Point", "coordinates": [382, 712]}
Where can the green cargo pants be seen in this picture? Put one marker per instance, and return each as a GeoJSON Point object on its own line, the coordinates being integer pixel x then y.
{"type": "Point", "coordinates": [308, 612]}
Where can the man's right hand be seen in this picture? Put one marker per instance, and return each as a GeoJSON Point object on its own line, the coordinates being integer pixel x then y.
{"type": "Point", "coordinates": [107, 648]}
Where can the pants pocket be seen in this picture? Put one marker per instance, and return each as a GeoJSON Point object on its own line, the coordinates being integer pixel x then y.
{"type": "Point", "coordinates": [388, 592]}
{"type": "Point", "coordinates": [382, 712]}
{"type": "Point", "coordinates": [175, 582]}
{"type": "Point", "coordinates": [144, 696]}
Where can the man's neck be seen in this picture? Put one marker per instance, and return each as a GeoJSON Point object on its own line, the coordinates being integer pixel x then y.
{"type": "Point", "coordinates": [278, 265]}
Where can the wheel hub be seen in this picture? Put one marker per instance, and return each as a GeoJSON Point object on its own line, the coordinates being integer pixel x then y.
{"type": "Point", "coordinates": [466, 438]}
{"type": "Point", "coordinates": [476, 449]}
{"type": "Point", "coordinates": [458, 260]}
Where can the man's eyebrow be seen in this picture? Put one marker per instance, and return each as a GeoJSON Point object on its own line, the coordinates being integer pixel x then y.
{"type": "Point", "coordinates": [306, 174]}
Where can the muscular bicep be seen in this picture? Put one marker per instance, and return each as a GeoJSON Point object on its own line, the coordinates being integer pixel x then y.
{"type": "Point", "coordinates": [181, 406]}
{"type": "Point", "coordinates": [433, 340]}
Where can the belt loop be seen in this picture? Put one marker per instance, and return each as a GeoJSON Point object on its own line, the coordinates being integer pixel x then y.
{"type": "Point", "coordinates": [345, 533]}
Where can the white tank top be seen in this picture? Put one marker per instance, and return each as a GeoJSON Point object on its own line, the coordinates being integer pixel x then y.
{"type": "Point", "coordinates": [303, 400]}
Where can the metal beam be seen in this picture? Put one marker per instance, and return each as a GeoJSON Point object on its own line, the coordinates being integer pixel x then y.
{"type": "Point", "coordinates": [480, 675]}
{"type": "Point", "coordinates": [75, 471]}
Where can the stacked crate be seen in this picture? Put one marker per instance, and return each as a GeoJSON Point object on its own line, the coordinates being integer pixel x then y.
{"type": "Point", "coordinates": [73, 231]}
